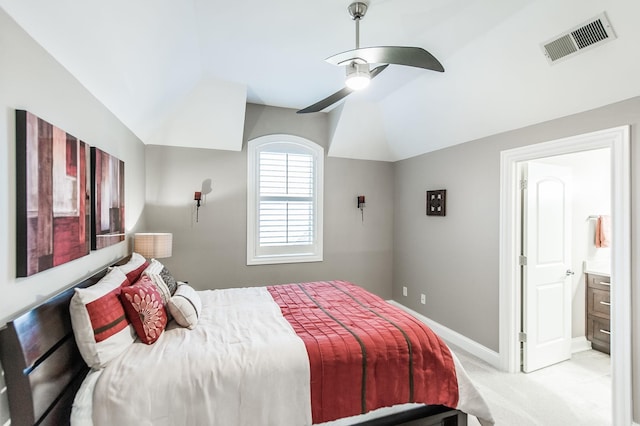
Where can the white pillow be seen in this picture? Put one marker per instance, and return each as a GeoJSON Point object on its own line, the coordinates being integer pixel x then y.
{"type": "Point", "coordinates": [100, 325]}
{"type": "Point", "coordinates": [154, 267]}
{"type": "Point", "coordinates": [185, 306]}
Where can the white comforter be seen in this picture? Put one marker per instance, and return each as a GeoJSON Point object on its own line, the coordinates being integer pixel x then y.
{"type": "Point", "coordinates": [234, 375]}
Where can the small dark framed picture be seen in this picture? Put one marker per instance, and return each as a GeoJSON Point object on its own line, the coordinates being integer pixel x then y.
{"type": "Point", "coordinates": [437, 202]}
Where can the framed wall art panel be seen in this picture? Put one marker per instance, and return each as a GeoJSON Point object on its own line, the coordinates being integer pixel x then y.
{"type": "Point", "coordinates": [107, 192]}
{"type": "Point", "coordinates": [437, 202]}
{"type": "Point", "coordinates": [52, 196]}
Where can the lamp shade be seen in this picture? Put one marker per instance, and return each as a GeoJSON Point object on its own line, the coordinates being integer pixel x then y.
{"type": "Point", "coordinates": [153, 244]}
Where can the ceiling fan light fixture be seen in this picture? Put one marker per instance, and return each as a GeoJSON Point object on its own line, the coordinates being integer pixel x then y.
{"type": "Point", "coordinates": [358, 76]}
{"type": "Point", "coordinates": [356, 61]}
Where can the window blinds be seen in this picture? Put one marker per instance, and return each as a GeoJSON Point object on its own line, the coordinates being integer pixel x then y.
{"type": "Point", "coordinates": [285, 213]}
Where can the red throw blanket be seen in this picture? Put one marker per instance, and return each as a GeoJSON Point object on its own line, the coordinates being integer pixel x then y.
{"type": "Point", "coordinates": [363, 352]}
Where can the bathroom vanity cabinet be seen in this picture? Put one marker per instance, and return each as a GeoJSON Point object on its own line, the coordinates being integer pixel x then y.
{"type": "Point", "coordinates": [598, 303]}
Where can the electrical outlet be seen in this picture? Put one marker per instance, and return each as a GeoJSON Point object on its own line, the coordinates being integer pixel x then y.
{"type": "Point", "coordinates": [404, 291]}
{"type": "Point", "coordinates": [423, 299]}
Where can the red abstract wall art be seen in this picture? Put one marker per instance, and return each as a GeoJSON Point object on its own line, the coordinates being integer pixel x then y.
{"type": "Point", "coordinates": [52, 196]}
{"type": "Point", "coordinates": [107, 192]}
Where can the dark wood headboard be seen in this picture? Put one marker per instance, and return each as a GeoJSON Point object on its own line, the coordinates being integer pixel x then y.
{"type": "Point", "coordinates": [42, 365]}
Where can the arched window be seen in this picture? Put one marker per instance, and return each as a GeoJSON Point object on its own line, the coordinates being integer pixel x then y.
{"type": "Point", "coordinates": [284, 200]}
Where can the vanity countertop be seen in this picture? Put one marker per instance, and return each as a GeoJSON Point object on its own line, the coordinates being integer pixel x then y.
{"type": "Point", "coordinates": [599, 268]}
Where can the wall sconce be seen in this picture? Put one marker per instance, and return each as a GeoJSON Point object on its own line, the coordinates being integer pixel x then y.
{"type": "Point", "coordinates": [361, 205]}
{"type": "Point", "coordinates": [154, 245]}
{"type": "Point", "coordinates": [197, 197]}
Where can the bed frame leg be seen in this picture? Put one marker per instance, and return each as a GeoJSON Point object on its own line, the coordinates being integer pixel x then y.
{"type": "Point", "coordinates": [459, 419]}
{"type": "Point", "coordinates": [462, 419]}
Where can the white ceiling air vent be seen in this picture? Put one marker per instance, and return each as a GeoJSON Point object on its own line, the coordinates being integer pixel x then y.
{"type": "Point", "coordinates": [592, 33]}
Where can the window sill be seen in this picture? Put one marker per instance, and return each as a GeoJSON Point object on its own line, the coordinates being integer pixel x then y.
{"type": "Point", "coordinates": [274, 260]}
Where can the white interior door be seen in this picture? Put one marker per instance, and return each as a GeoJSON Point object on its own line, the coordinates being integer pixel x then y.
{"type": "Point", "coordinates": [546, 290]}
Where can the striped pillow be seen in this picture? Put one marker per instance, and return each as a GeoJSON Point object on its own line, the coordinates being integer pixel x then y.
{"type": "Point", "coordinates": [153, 272]}
{"type": "Point", "coordinates": [169, 280]}
{"type": "Point", "coordinates": [156, 267]}
{"type": "Point", "coordinates": [162, 288]}
{"type": "Point", "coordinates": [185, 306]}
{"type": "Point", "coordinates": [100, 326]}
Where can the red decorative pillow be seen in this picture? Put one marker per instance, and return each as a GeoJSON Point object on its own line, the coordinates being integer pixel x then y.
{"type": "Point", "coordinates": [144, 308]}
{"type": "Point", "coordinates": [106, 315]}
{"type": "Point", "coordinates": [134, 267]}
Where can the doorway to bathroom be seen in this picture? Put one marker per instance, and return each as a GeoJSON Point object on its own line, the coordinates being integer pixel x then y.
{"type": "Point", "coordinates": [562, 198]}
{"type": "Point", "coordinates": [617, 140]}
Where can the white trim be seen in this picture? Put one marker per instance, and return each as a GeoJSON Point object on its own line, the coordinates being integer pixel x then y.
{"type": "Point", "coordinates": [621, 346]}
{"type": "Point", "coordinates": [298, 254]}
{"type": "Point", "coordinates": [454, 338]}
{"type": "Point", "coordinates": [617, 139]}
{"type": "Point", "coordinates": [580, 344]}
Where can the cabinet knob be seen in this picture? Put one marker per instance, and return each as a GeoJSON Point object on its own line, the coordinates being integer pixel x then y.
{"type": "Point", "coordinates": [569, 272]}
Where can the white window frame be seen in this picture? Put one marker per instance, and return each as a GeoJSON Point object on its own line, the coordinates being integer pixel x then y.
{"type": "Point", "coordinates": [257, 255]}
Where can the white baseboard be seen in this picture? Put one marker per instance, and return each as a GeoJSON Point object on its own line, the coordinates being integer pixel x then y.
{"type": "Point", "coordinates": [579, 344]}
{"type": "Point", "coordinates": [455, 338]}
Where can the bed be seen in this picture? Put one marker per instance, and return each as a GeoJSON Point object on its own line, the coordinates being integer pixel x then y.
{"type": "Point", "coordinates": [307, 353]}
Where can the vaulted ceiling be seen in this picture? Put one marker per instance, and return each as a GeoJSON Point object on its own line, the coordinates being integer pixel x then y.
{"type": "Point", "coordinates": [181, 72]}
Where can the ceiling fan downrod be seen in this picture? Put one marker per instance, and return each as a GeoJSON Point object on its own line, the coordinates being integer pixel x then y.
{"type": "Point", "coordinates": [358, 76]}
{"type": "Point", "coordinates": [357, 11]}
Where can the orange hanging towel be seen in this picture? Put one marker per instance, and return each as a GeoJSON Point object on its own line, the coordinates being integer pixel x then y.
{"type": "Point", "coordinates": [603, 231]}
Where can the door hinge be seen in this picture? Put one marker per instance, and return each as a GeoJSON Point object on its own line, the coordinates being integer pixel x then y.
{"type": "Point", "coordinates": [523, 184]}
{"type": "Point", "coordinates": [522, 260]}
{"type": "Point", "coordinates": [522, 336]}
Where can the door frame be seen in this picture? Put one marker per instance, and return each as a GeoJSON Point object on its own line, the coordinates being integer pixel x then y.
{"type": "Point", "coordinates": [618, 140]}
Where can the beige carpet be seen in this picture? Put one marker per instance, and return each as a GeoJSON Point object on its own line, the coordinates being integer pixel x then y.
{"type": "Point", "coordinates": [575, 392]}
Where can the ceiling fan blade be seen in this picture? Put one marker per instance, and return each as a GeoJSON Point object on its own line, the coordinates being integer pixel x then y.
{"type": "Point", "coordinates": [342, 93]}
{"type": "Point", "coordinates": [399, 55]}
{"type": "Point", "coordinates": [328, 101]}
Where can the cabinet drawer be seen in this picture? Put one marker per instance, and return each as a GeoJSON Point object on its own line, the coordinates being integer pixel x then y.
{"type": "Point", "coordinates": [598, 302]}
{"type": "Point", "coordinates": [599, 333]}
{"type": "Point", "coordinates": [598, 281]}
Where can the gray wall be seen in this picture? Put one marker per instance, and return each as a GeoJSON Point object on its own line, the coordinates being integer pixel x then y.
{"type": "Point", "coordinates": [454, 260]}
{"type": "Point", "coordinates": [451, 259]}
{"type": "Point", "coordinates": [211, 253]}
{"type": "Point", "coordinates": [31, 79]}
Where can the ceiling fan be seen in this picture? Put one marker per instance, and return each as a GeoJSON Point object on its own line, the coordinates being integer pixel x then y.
{"type": "Point", "coordinates": [357, 62]}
